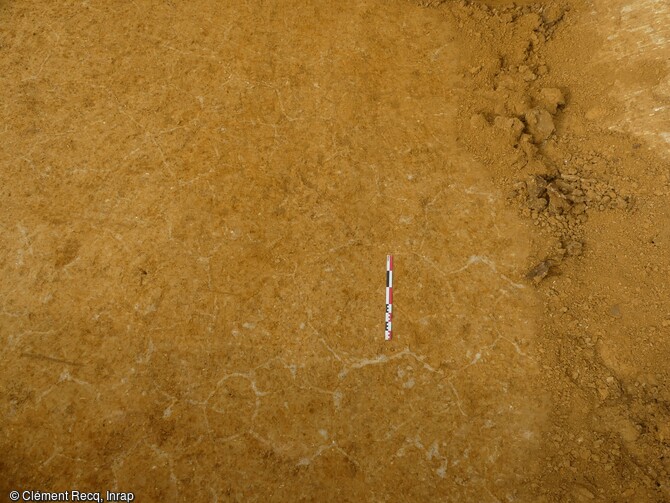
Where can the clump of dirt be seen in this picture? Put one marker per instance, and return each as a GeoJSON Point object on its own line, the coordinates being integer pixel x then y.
{"type": "Point", "coordinates": [560, 203]}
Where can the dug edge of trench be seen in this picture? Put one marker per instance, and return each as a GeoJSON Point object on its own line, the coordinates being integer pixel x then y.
{"type": "Point", "coordinates": [539, 112]}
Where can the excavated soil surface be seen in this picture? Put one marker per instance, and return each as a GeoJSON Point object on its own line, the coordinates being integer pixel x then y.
{"type": "Point", "coordinates": [197, 203]}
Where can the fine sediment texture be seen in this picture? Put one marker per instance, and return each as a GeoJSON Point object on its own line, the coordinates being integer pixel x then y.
{"type": "Point", "coordinates": [197, 204]}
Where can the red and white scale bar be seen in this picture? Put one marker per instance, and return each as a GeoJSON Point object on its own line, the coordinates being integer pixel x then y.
{"type": "Point", "coordinates": [388, 331]}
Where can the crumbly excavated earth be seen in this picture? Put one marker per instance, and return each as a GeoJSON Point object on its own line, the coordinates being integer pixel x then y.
{"type": "Point", "coordinates": [543, 109]}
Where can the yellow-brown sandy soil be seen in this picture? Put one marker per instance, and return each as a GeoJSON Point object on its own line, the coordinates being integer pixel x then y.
{"type": "Point", "coordinates": [197, 202]}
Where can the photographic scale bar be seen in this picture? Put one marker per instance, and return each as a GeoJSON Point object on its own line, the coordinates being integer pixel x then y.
{"type": "Point", "coordinates": [388, 330]}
